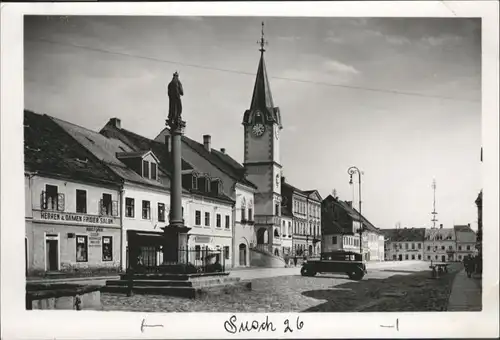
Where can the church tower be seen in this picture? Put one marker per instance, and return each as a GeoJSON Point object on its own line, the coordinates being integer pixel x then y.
{"type": "Point", "coordinates": [262, 126]}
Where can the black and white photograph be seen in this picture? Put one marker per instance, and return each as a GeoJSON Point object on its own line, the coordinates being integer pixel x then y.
{"type": "Point", "coordinates": [254, 164]}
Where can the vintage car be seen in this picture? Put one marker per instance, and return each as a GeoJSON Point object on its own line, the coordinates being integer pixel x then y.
{"type": "Point", "coordinates": [347, 262]}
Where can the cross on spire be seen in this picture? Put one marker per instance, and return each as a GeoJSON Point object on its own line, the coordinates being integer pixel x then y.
{"type": "Point", "coordinates": [262, 42]}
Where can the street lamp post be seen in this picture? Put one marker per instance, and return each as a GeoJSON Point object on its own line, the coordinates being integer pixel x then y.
{"type": "Point", "coordinates": [351, 171]}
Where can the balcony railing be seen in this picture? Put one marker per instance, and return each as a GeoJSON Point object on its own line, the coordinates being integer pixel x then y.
{"type": "Point", "coordinates": [52, 201]}
{"type": "Point", "coordinates": [109, 209]}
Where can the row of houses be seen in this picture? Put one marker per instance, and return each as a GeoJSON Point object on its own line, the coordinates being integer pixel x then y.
{"type": "Point", "coordinates": [95, 200]}
{"type": "Point", "coordinates": [341, 226]}
{"type": "Point", "coordinates": [434, 244]}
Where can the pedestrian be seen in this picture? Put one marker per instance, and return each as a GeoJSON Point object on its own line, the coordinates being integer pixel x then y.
{"type": "Point", "coordinates": [295, 260]}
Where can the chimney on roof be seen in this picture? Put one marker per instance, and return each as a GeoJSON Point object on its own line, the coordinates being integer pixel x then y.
{"type": "Point", "coordinates": [441, 226]}
{"type": "Point", "coordinates": [468, 224]}
{"type": "Point", "coordinates": [207, 141]}
{"type": "Point", "coordinates": [167, 143]}
{"type": "Point", "coordinates": [116, 122]}
{"type": "Point", "coordinates": [223, 150]}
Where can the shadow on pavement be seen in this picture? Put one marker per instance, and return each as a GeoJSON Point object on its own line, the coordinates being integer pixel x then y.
{"type": "Point", "coordinates": [408, 292]}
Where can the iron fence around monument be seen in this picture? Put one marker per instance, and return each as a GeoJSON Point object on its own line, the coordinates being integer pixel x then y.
{"type": "Point", "coordinates": [186, 260]}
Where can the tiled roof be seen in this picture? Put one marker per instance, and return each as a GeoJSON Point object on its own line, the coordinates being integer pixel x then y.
{"type": "Point", "coordinates": [223, 162]}
{"type": "Point", "coordinates": [404, 234]}
{"type": "Point", "coordinates": [289, 187]}
{"type": "Point", "coordinates": [160, 150]}
{"type": "Point", "coordinates": [463, 228]}
{"type": "Point", "coordinates": [445, 233]}
{"type": "Point", "coordinates": [105, 149]}
{"type": "Point", "coordinates": [353, 213]}
{"type": "Point", "coordinates": [50, 149]}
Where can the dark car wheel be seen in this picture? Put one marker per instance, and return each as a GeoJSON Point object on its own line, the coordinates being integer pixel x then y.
{"type": "Point", "coordinates": [307, 272]}
{"type": "Point", "coordinates": [356, 274]}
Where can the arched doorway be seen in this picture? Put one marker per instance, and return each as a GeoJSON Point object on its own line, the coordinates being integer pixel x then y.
{"type": "Point", "coordinates": [262, 236]}
{"type": "Point", "coordinates": [243, 254]}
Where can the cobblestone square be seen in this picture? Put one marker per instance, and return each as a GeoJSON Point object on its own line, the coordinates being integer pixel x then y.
{"type": "Point", "coordinates": [383, 289]}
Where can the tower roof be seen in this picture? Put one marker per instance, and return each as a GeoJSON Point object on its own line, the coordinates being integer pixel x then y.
{"type": "Point", "coordinates": [262, 99]}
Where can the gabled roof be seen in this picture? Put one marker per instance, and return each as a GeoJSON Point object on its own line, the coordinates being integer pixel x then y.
{"type": "Point", "coordinates": [404, 234]}
{"type": "Point", "coordinates": [105, 149]}
{"type": "Point", "coordinates": [49, 149]}
{"type": "Point", "coordinates": [160, 150]}
{"type": "Point", "coordinates": [463, 228]}
{"type": "Point", "coordinates": [221, 161]}
{"type": "Point", "coordinates": [353, 213]}
{"type": "Point", "coordinates": [313, 194]}
{"type": "Point", "coordinates": [285, 186]}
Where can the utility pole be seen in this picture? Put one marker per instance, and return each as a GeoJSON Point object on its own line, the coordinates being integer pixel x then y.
{"type": "Point", "coordinates": [434, 213]}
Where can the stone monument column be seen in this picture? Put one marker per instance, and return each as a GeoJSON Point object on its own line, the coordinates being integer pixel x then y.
{"type": "Point", "coordinates": [172, 244]}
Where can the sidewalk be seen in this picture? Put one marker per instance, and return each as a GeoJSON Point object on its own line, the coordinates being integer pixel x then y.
{"type": "Point", "coordinates": [465, 294]}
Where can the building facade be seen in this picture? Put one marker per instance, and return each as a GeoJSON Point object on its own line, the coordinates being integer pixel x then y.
{"type": "Point", "coordinates": [236, 186]}
{"type": "Point", "coordinates": [404, 244]}
{"type": "Point", "coordinates": [72, 204]}
{"type": "Point", "coordinates": [466, 241]}
{"type": "Point", "coordinates": [440, 245]}
{"type": "Point", "coordinates": [341, 224]}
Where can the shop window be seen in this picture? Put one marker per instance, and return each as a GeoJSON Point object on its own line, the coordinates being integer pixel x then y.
{"type": "Point", "coordinates": [161, 212]}
{"type": "Point", "coordinates": [197, 217]}
{"type": "Point", "coordinates": [82, 249]}
{"type": "Point", "coordinates": [226, 252]}
{"type": "Point", "coordinates": [107, 248]}
{"type": "Point", "coordinates": [81, 201]}
{"type": "Point", "coordinates": [227, 222]}
{"type": "Point", "coordinates": [207, 219]}
{"type": "Point", "coordinates": [146, 210]}
{"type": "Point", "coordinates": [129, 207]}
{"type": "Point", "coordinates": [218, 221]}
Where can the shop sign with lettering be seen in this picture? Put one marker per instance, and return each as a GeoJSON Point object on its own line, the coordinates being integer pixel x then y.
{"type": "Point", "coordinates": [71, 217]}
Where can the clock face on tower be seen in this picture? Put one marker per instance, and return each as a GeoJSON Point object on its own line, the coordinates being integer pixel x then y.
{"type": "Point", "coordinates": [258, 129]}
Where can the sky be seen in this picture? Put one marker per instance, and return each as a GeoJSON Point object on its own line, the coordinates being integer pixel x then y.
{"type": "Point", "coordinates": [397, 97]}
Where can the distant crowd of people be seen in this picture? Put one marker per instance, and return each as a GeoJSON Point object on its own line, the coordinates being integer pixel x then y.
{"type": "Point", "coordinates": [473, 264]}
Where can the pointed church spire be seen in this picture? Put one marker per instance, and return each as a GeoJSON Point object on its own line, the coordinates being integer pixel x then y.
{"type": "Point", "coordinates": [262, 99]}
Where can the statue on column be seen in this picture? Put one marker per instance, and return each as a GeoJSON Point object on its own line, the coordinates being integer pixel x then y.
{"type": "Point", "coordinates": [175, 91]}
